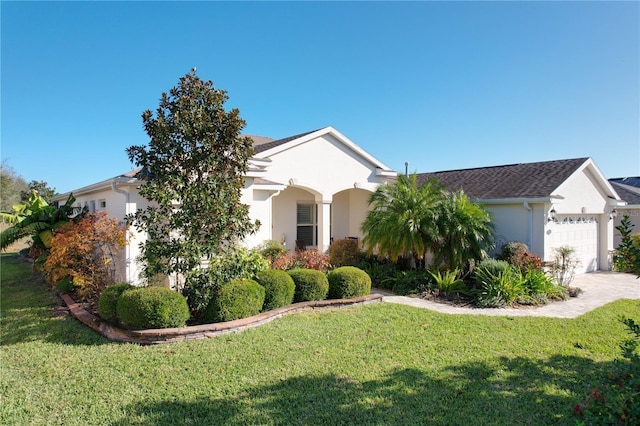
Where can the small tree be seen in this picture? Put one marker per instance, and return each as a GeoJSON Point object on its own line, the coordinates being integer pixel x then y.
{"type": "Point", "coordinates": [12, 186]}
{"type": "Point", "coordinates": [194, 167]}
{"type": "Point", "coordinates": [627, 255]}
{"type": "Point", "coordinates": [563, 268]}
{"type": "Point", "coordinates": [41, 188]}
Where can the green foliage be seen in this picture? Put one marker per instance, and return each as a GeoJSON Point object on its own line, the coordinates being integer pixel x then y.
{"type": "Point", "coordinates": [109, 300]}
{"type": "Point", "coordinates": [310, 284]}
{"type": "Point", "coordinates": [271, 249]}
{"type": "Point", "coordinates": [538, 282]}
{"type": "Point", "coordinates": [152, 307]}
{"type": "Point", "coordinates": [402, 218]}
{"type": "Point", "coordinates": [41, 188]}
{"type": "Point", "coordinates": [239, 298]}
{"type": "Point", "coordinates": [230, 264]}
{"type": "Point", "coordinates": [409, 219]}
{"type": "Point", "coordinates": [279, 288]}
{"type": "Point", "coordinates": [35, 217]}
{"type": "Point", "coordinates": [380, 271]}
{"type": "Point", "coordinates": [563, 268]}
{"type": "Point", "coordinates": [465, 232]}
{"type": "Point", "coordinates": [626, 258]}
{"type": "Point", "coordinates": [196, 159]}
{"type": "Point", "coordinates": [344, 252]}
{"type": "Point", "coordinates": [449, 282]}
{"type": "Point", "coordinates": [517, 254]}
{"type": "Point", "coordinates": [408, 282]}
{"type": "Point", "coordinates": [494, 266]}
{"type": "Point", "coordinates": [65, 285]}
{"type": "Point", "coordinates": [617, 400]}
{"type": "Point", "coordinates": [348, 282]}
{"type": "Point", "coordinates": [499, 290]}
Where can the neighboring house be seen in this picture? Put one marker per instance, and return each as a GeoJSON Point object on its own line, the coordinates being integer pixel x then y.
{"type": "Point", "coordinates": [629, 191]}
{"type": "Point", "coordinates": [309, 188]}
{"type": "Point", "coordinates": [545, 205]}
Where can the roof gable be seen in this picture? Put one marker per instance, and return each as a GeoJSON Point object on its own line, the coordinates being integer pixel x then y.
{"type": "Point", "coordinates": [525, 180]}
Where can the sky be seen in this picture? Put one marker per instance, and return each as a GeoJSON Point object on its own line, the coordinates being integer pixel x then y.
{"type": "Point", "coordinates": [440, 85]}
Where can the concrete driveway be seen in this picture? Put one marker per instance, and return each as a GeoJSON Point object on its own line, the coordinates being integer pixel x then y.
{"type": "Point", "coordinates": [599, 288]}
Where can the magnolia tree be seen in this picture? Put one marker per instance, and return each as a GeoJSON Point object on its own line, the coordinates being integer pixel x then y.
{"type": "Point", "coordinates": [193, 170]}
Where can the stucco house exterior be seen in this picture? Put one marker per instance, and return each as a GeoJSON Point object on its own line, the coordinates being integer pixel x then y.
{"type": "Point", "coordinates": [311, 188]}
{"type": "Point", "coordinates": [545, 205]}
{"type": "Point", "coordinates": [314, 187]}
{"type": "Point", "coordinates": [629, 190]}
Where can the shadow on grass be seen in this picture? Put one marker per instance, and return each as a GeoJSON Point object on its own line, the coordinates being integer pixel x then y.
{"type": "Point", "coordinates": [31, 311]}
{"type": "Point", "coordinates": [505, 392]}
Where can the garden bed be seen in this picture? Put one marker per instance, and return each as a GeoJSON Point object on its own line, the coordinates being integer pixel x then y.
{"type": "Point", "coordinates": [202, 331]}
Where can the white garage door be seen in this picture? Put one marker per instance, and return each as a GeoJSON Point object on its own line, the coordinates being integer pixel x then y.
{"type": "Point", "coordinates": [581, 233]}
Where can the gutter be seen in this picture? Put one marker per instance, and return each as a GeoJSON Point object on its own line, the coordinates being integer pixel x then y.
{"type": "Point", "coordinates": [128, 246]}
{"type": "Point", "coordinates": [529, 224]}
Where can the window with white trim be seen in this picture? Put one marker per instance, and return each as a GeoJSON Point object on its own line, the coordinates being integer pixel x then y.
{"type": "Point", "coordinates": [307, 225]}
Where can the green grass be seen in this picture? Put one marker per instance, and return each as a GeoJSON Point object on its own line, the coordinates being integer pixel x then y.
{"type": "Point", "coordinates": [375, 364]}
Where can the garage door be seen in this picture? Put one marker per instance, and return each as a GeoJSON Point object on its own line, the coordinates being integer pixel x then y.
{"type": "Point", "coordinates": [581, 233]}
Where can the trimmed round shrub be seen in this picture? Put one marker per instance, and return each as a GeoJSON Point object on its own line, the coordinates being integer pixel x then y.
{"type": "Point", "coordinates": [310, 285]}
{"type": "Point", "coordinates": [152, 307]}
{"type": "Point", "coordinates": [348, 282]}
{"type": "Point", "coordinates": [239, 298]}
{"type": "Point", "coordinates": [109, 299]}
{"type": "Point", "coordinates": [279, 288]}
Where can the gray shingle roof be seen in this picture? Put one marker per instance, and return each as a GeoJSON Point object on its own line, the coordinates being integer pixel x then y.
{"type": "Point", "coordinates": [630, 181]}
{"type": "Point", "coordinates": [627, 193]}
{"type": "Point", "coordinates": [528, 180]}
{"type": "Point", "coordinates": [272, 144]}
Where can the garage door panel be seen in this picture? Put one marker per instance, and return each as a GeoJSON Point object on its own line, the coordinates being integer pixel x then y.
{"type": "Point", "coordinates": [581, 233]}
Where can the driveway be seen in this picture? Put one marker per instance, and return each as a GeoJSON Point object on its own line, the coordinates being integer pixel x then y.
{"type": "Point", "coordinates": [599, 288]}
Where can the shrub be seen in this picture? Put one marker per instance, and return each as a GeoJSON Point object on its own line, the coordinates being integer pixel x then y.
{"type": "Point", "coordinates": [541, 286]}
{"type": "Point", "coordinates": [233, 263]}
{"type": "Point", "coordinates": [271, 249]}
{"type": "Point", "coordinates": [379, 270]}
{"type": "Point", "coordinates": [517, 254]}
{"type": "Point", "coordinates": [347, 282]}
{"type": "Point", "coordinates": [239, 298]}
{"type": "Point", "coordinates": [564, 265]}
{"type": "Point", "coordinates": [65, 285]}
{"type": "Point", "coordinates": [279, 288]}
{"type": "Point", "coordinates": [152, 307]}
{"type": "Point", "coordinates": [449, 282]}
{"type": "Point", "coordinates": [302, 259]}
{"type": "Point", "coordinates": [344, 252]}
{"type": "Point", "coordinates": [494, 266]}
{"type": "Point", "coordinates": [499, 290]}
{"type": "Point", "coordinates": [109, 299]}
{"type": "Point", "coordinates": [626, 258]}
{"type": "Point", "coordinates": [85, 251]}
{"type": "Point", "coordinates": [409, 282]}
{"type": "Point", "coordinates": [310, 284]}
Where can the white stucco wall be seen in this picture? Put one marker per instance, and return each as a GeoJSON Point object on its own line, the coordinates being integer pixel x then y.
{"type": "Point", "coordinates": [634, 216]}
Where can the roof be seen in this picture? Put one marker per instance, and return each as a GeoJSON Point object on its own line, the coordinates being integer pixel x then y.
{"type": "Point", "coordinates": [628, 193]}
{"type": "Point", "coordinates": [265, 145]}
{"type": "Point", "coordinates": [524, 180]}
{"type": "Point", "coordinates": [630, 181]}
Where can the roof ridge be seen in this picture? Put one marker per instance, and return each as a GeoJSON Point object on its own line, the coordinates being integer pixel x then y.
{"type": "Point", "coordinates": [506, 165]}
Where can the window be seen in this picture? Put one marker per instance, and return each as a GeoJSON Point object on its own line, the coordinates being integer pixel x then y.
{"type": "Point", "coordinates": [307, 226]}
{"type": "Point", "coordinates": [102, 204]}
{"type": "Point", "coordinates": [92, 206]}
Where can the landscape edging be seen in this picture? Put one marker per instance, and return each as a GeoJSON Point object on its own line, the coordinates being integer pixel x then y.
{"type": "Point", "coordinates": [203, 331]}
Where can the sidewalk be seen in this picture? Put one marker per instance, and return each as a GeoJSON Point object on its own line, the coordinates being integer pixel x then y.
{"type": "Point", "coordinates": [599, 288]}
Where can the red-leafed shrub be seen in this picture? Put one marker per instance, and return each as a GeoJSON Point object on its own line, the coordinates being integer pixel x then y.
{"type": "Point", "coordinates": [304, 259]}
{"type": "Point", "coordinates": [518, 255]}
{"type": "Point", "coordinates": [344, 252]}
{"type": "Point", "coordinates": [84, 252]}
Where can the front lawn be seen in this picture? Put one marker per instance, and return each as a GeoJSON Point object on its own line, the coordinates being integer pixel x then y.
{"type": "Point", "coordinates": [374, 364]}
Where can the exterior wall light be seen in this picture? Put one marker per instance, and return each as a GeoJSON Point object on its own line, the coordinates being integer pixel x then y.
{"type": "Point", "coordinates": [552, 215]}
{"type": "Point", "coordinates": [613, 214]}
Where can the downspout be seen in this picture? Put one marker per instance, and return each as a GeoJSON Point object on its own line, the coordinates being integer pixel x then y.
{"type": "Point", "coordinates": [529, 224]}
{"type": "Point", "coordinates": [127, 247]}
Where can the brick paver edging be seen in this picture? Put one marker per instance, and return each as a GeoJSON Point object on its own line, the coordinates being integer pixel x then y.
{"type": "Point", "coordinates": [202, 331]}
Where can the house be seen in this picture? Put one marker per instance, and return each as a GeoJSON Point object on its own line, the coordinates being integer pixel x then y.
{"type": "Point", "coordinates": [629, 191]}
{"type": "Point", "coordinates": [545, 205]}
{"type": "Point", "coordinates": [309, 188]}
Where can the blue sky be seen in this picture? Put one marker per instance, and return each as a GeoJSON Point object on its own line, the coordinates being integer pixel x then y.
{"type": "Point", "coordinates": [442, 85]}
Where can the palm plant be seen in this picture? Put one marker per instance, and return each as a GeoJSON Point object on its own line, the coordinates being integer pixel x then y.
{"type": "Point", "coordinates": [35, 218]}
{"type": "Point", "coordinates": [465, 231]}
{"type": "Point", "coordinates": [402, 218]}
